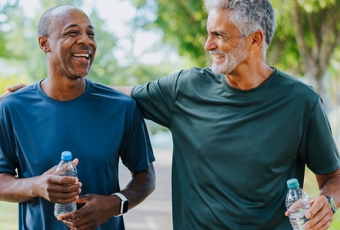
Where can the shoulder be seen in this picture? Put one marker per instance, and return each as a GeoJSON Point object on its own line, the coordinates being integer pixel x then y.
{"type": "Point", "coordinates": [20, 96]}
{"type": "Point", "coordinates": [105, 93]}
{"type": "Point", "coordinates": [190, 77]}
{"type": "Point", "coordinates": [296, 87]}
{"type": "Point", "coordinates": [195, 72]}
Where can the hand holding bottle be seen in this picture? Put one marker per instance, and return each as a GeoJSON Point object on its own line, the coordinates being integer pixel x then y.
{"type": "Point", "coordinates": [52, 187]}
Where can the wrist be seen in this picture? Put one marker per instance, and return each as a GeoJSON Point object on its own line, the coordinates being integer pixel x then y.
{"type": "Point", "coordinates": [332, 203]}
{"type": "Point", "coordinates": [123, 204]}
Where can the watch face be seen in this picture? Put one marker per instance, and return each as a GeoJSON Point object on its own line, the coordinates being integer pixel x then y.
{"type": "Point", "coordinates": [125, 206]}
{"type": "Point", "coordinates": [332, 203]}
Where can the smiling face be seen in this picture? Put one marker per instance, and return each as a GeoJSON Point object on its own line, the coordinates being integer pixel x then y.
{"type": "Point", "coordinates": [70, 47]}
{"type": "Point", "coordinates": [224, 42]}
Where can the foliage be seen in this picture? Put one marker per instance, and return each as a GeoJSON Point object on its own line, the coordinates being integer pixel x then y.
{"type": "Point", "coordinates": [105, 65]}
{"type": "Point", "coordinates": [308, 33]}
{"type": "Point", "coordinates": [22, 59]}
{"type": "Point", "coordinates": [183, 24]}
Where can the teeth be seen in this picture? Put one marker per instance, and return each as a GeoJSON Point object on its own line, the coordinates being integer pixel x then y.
{"type": "Point", "coordinates": [217, 56]}
{"type": "Point", "coordinates": [82, 55]}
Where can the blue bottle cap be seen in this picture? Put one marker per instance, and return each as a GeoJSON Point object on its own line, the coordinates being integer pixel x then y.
{"type": "Point", "coordinates": [66, 155]}
{"type": "Point", "coordinates": [293, 183]}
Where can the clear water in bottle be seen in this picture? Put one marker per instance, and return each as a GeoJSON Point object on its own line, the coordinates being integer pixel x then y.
{"type": "Point", "coordinates": [65, 168]}
{"type": "Point", "coordinates": [297, 203]}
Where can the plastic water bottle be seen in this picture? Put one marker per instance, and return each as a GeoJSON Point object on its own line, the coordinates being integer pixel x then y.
{"type": "Point", "coordinates": [65, 168]}
{"type": "Point", "coordinates": [297, 203]}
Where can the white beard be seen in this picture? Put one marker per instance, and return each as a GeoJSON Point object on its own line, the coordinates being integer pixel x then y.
{"type": "Point", "coordinates": [232, 59]}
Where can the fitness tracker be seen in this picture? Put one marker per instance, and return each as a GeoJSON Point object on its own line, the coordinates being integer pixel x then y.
{"type": "Point", "coordinates": [124, 204]}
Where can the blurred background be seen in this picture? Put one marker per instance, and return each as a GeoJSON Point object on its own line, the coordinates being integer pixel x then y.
{"type": "Point", "coordinates": [142, 40]}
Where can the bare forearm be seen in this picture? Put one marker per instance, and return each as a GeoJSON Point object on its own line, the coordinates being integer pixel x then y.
{"type": "Point", "coordinates": [331, 188]}
{"type": "Point", "coordinates": [140, 187]}
{"type": "Point", "coordinates": [124, 89]}
{"type": "Point", "coordinates": [13, 189]}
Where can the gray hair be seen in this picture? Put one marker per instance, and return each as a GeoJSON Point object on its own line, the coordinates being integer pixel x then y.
{"type": "Point", "coordinates": [248, 16]}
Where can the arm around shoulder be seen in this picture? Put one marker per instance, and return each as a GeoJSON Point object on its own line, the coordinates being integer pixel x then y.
{"type": "Point", "coordinates": [11, 89]}
{"type": "Point", "coordinates": [124, 89]}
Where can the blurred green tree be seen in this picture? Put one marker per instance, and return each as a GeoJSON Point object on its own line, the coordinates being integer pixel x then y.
{"type": "Point", "coordinates": [306, 38]}
{"type": "Point", "coordinates": [315, 25]}
{"type": "Point", "coordinates": [22, 55]}
{"type": "Point", "coordinates": [182, 23]}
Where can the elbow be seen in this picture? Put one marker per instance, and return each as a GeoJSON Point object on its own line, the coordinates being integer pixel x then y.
{"type": "Point", "coordinates": [152, 179]}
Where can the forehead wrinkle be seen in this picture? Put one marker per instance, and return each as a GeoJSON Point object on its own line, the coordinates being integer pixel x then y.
{"type": "Point", "coordinates": [76, 25]}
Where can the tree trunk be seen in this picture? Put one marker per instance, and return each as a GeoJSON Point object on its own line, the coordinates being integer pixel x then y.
{"type": "Point", "coordinates": [323, 28]}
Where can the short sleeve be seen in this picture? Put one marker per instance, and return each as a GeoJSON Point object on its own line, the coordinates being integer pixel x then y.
{"type": "Point", "coordinates": [7, 150]}
{"type": "Point", "coordinates": [136, 151]}
{"type": "Point", "coordinates": [318, 148]}
{"type": "Point", "coordinates": [156, 99]}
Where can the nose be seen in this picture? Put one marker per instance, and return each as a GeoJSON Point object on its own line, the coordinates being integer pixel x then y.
{"type": "Point", "coordinates": [85, 39]}
{"type": "Point", "coordinates": [209, 44]}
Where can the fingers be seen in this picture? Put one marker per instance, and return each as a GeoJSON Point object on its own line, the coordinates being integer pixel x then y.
{"type": "Point", "coordinates": [68, 216]}
{"type": "Point", "coordinates": [83, 199]}
{"type": "Point", "coordinates": [11, 89]}
{"type": "Point", "coordinates": [60, 189]}
{"type": "Point", "coordinates": [15, 87]}
{"type": "Point", "coordinates": [4, 95]}
{"type": "Point", "coordinates": [96, 211]}
{"type": "Point", "coordinates": [65, 198]}
{"type": "Point", "coordinates": [64, 180]}
{"type": "Point", "coordinates": [320, 214]}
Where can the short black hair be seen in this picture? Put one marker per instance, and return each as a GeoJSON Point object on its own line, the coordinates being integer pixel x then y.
{"type": "Point", "coordinates": [45, 22]}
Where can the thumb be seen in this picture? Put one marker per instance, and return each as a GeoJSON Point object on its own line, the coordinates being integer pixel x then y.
{"type": "Point", "coordinates": [51, 170]}
{"type": "Point", "coordinates": [75, 161]}
{"type": "Point", "coordinates": [83, 199]}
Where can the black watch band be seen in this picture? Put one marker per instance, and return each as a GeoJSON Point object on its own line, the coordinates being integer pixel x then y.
{"type": "Point", "coordinates": [332, 203]}
{"type": "Point", "coordinates": [124, 203]}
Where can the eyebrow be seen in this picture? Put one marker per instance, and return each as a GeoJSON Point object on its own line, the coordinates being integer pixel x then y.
{"type": "Point", "coordinates": [75, 25]}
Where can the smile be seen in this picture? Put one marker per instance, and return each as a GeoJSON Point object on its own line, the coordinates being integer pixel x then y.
{"type": "Point", "coordinates": [82, 55]}
{"type": "Point", "coordinates": [218, 56]}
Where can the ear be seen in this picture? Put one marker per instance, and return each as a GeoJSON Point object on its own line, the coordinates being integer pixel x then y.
{"type": "Point", "coordinates": [43, 44]}
{"type": "Point", "coordinates": [256, 39]}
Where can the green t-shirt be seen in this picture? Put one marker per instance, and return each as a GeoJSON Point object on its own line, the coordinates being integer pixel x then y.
{"type": "Point", "coordinates": [234, 150]}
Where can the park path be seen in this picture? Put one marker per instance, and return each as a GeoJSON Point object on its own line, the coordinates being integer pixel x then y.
{"type": "Point", "coordinates": [155, 212]}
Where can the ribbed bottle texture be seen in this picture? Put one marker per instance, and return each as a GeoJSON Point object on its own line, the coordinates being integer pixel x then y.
{"type": "Point", "coordinates": [65, 168]}
{"type": "Point", "coordinates": [297, 203]}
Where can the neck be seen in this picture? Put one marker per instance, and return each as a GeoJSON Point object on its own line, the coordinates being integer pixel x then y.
{"type": "Point", "coordinates": [64, 89]}
{"type": "Point", "coordinates": [248, 78]}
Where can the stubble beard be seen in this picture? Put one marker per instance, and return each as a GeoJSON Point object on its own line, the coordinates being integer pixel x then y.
{"type": "Point", "coordinates": [232, 59]}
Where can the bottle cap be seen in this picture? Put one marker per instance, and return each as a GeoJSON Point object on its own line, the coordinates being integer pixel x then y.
{"type": "Point", "coordinates": [66, 155]}
{"type": "Point", "coordinates": [293, 183]}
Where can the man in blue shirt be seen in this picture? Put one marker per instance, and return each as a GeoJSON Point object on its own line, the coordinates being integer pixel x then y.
{"type": "Point", "coordinates": [66, 111]}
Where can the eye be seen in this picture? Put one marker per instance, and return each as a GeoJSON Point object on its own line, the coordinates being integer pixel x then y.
{"type": "Point", "coordinates": [73, 33]}
{"type": "Point", "coordinates": [90, 34]}
{"type": "Point", "coordinates": [218, 35]}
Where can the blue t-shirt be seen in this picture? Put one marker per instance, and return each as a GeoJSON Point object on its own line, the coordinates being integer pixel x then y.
{"type": "Point", "coordinates": [98, 127]}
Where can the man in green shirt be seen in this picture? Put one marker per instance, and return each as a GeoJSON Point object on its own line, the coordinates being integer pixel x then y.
{"type": "Point", "coordinates": [241, 129]}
